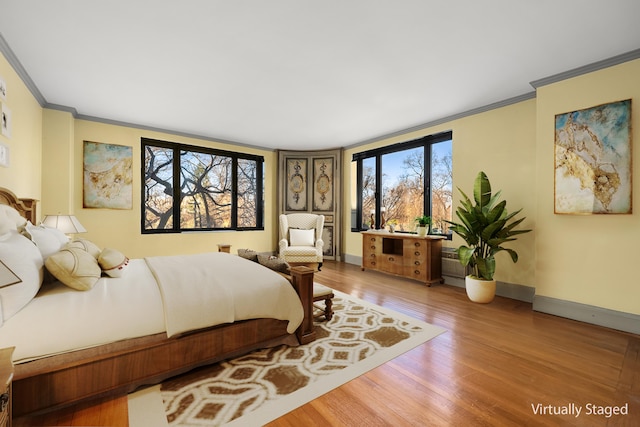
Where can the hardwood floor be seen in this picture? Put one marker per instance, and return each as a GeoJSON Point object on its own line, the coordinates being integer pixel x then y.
{"type": "Point", "coordinates": [494, 366]}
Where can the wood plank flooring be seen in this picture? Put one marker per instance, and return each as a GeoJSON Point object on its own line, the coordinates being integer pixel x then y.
{"type": "Point", "coordinates": [494, 366]}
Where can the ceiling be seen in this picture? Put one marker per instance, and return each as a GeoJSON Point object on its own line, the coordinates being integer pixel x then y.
{"type": "Point", "coordinates": [299, 74]}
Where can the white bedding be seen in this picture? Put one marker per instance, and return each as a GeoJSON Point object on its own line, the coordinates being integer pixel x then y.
{"type": "Point", "coordinates": [213, 288]}
{"type": "Point", "coordinates": [60, 319]}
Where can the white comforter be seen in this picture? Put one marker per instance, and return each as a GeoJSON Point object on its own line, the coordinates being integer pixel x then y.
{"type": "Point", "coordinates": [60, 319]}
{"type": "Point", "coordinates": [213, 288]}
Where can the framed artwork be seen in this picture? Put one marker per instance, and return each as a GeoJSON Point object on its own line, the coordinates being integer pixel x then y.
{"type": "Point", "coordinates": [6, 120]}
{"type": "Point", "coordinates": [593, 160]}
{"type": "Point", "coordinates": [4, 155]}
{"type": "Point", "coordinates": [323, 184]}
{"type": "Point", "coordinates": [107, 176]}
{"type": "Point", "coordinates": [296, 184]}
{"type": "Point", "coordinates": [3, 89]}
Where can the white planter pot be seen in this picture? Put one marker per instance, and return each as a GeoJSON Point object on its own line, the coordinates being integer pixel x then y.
{"type": "Point", "coordinates": [481, 291]}
{"type": "Point", "coordinates": [422, 231]}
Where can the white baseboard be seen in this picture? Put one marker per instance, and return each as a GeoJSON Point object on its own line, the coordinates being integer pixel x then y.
{"type": "Point", "coordinates": [507, 290]}
{"type": "Point", "coordinates": [613, 319]}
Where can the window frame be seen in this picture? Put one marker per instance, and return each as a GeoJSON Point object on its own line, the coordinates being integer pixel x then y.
{"type": "Point", "coordinates": [426, 142]}
{"type": "Point", "coordinates": [177, 149]}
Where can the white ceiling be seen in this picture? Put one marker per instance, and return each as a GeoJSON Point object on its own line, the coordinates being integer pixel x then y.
{"type": "Point", "coordinates": [300, 74]}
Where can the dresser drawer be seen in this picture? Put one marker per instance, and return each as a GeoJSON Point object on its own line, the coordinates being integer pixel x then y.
{"type": "Point", "coordinates": [417, 272]}
{"type": "Point", "coordinates": [369, 260]}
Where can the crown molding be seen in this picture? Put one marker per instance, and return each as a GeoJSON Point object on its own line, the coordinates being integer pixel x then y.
{"type": "Point", "coordinates": [605, 63]}
{"type": "Point", "coordinates": [19, 69]}
{"type": "Point", "coordinates": [474, 111]}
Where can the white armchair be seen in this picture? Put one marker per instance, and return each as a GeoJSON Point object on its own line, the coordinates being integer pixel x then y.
{"type": "Point", "coordinates": [301, 239]}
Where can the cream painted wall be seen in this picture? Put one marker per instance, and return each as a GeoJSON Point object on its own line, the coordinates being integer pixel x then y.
{"type": "Point", "coordinates": [584, 259]}
{"type": "Point", "coordinates": [587, 259]}
{"type": "Point", "coordinates": [502, 143]}
{"type": "Point", "coordinates": [120, 229]}
{"type": "Point", "coordinates": [23, 176]}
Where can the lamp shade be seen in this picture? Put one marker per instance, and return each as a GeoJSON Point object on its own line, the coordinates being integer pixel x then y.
{"type": "Point", "coordinates": [68, 224]}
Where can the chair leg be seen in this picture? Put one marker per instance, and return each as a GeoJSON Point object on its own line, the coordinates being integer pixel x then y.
{"type": "Point", "coordinates": [328, 312]}
{"type": "Point", "coordinates": [319, 265]}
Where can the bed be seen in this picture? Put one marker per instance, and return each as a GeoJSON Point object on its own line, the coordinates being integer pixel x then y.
{"type": "Point", "coordinates": [124, 332]}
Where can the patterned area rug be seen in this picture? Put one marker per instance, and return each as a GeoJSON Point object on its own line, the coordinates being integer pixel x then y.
{"type": "Point", "coordinates": [259, 387]}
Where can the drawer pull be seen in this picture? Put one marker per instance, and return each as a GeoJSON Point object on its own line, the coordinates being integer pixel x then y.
{"type": "Point", "coordinates": [417, 271]}
{"type": "Point", "coordinates": [417, 262]}
{"type": "Point", "coordinates": [416, 253]}
{"type": "Point", "coordinates": [391, 258]}
{"type": "Point", "coordinates": [417, 244]}
{"type": "Point", "coordinates": [372, 255]}
{"type": "Point", "coordinates": [373, 239]}
{"type": "Point", "coordinates": [373, 248]}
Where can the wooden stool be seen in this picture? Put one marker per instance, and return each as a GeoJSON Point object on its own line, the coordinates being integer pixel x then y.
{"type": "Point", "coordinates": [323, 293]}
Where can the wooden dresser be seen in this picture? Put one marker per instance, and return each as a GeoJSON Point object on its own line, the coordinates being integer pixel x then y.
{"type": "Point", "coordinates": [6, 376]}
{"type": "Point", "coordinates": [403, 254]}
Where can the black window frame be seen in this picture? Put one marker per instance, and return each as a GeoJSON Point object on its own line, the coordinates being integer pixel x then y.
{"type": "Point", "coordinates": [235, 156]}
{"type": "Point", "coordinates": [426, 142]}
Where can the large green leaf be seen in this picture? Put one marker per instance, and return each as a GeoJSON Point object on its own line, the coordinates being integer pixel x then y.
{"type": "Point", "coordinates": [484, 226]}
{"type": "Point", "coordinates": [482, 190]}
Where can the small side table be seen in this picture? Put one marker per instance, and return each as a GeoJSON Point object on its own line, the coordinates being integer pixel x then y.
{"type": "Point", "coordinates": [6, 376]}
{"type": "Point", "coordinates": [224, 247]}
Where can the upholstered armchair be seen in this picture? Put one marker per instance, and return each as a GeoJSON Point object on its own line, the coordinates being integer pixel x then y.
{"type": "Point", "coordinates": [301, 239]}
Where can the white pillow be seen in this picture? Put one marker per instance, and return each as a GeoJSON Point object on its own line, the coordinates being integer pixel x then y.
{"type": "Point", "coordinates": [24, 259]}
{"type": "Point", "coordinates": [49, 240]}
{"type": "Point", "coordinates": [299, 237]}
{"type": "Point", "coordinates": [10, 219]}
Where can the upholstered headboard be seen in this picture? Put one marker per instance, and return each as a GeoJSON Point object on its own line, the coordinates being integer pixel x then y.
{"type": "Point", "coordinates": [26, 207]}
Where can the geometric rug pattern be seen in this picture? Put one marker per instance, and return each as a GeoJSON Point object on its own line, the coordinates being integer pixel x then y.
{"type": "Point", "coordinates": [221, 393]}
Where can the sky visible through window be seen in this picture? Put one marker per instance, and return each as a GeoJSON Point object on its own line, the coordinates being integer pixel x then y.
{"type": "Point", "coordinates": [402, 187]}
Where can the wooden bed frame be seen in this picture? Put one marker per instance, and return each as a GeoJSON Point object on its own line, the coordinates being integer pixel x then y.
{"type": "Point", "coordinates": [63, 380]}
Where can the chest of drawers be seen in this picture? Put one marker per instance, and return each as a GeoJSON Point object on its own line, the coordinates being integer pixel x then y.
{"type": "Point", "coordinates": [406, 255]}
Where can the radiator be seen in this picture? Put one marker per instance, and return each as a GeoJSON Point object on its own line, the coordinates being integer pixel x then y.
{"type": "Point", "coordinates": [451, 264]}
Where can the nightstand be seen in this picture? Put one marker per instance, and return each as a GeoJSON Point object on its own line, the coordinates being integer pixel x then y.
{"type": "Point", "coordinates": [223, 247]}
{"type": "Point", "coordinates": [6, 375]}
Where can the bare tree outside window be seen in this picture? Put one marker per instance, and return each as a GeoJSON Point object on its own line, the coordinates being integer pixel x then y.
{"type": "Point", "coordinates": [247, 193]}
{"type": "Point", "coordinates": [205, 187]}
{"type": "Point", "coordinates": [403, 178]}
{"type": "Point", "coordinates": [158, 188]}
{"type": "Point", "coordinates": [212, 187]}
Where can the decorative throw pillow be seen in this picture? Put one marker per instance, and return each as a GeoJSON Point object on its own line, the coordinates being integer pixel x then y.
{"type": "Point", "coordinates": [274, 263]}
{"type": "Point", "coordinates": [248, 254]}
{"type": "Point", "coordinates": [112, 262]}
{"type": "Point", "coordinates": [87, 246]}
{"type": "Point", "coordinates": [299, 237]}
{"type": "Point", "coordinates": [75, 268]}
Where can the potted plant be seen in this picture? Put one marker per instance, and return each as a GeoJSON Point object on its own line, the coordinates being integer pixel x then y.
{"type": "Point", "coordinates": [485, 225]}
{"type": "Point", "coordinates": [424, 225]}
